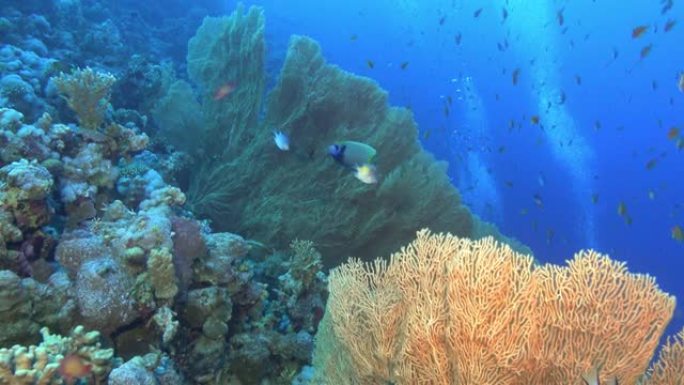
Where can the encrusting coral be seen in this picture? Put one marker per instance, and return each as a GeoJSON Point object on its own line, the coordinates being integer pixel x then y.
{"type": "Point", "coordinates": [38, 365]}
{"type": "Point", "coordinates": [448, 310]}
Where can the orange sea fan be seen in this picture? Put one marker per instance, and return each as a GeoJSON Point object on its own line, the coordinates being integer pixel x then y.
{"type": "Point", "coordinates": [669, 369]}
{"type": "Point", "coordinates": [594, 312]}
{"type": "Point", "coordinates": [447, 310]}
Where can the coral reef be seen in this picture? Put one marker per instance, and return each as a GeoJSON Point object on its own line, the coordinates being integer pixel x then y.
{"type": "Point", "coordinates": [455, 311]}
{"type": "Point", "coordinates": [39, 364]}
{"type": "Point", "coordinates": [24, 188]}
{"type": "Point", "coordinates": [22, 75]}
{"type": "Point", "coordinates": [95, 229]}
{"type": "Point", "coordinates": [27, 305]}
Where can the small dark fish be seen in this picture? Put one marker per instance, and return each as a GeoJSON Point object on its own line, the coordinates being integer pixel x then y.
{"type": "Point", "coordinates": [651, 164]}
{"type": "Point", "coordinates": [515, 75]}
{"type": "Point", "coordinates": [654, 85]}
{"type": "Point", "coordinates": [622, 209]}
{"type": "Point", "coordinates": [370, 64]}
{"type": "Point", "coordinates": [535, 119]}
{"type": "Point", "coordinates": [594, 198]}
{"type": "Point", "coordinates": [538, 200]}
{"type": "Point", "coordinates": [426, 134]}
{"type": "Point", "coordinates": [669, 25]}
{"type": "Point", "coordinates": [353, 37]}
{"type": "Point", "coordinates": [442, 20]}
{"type": "Point", "coordinates": [639, 31]}
{"type": "Point", "coordinates": [504, 15]}
{"type": "Point", "coordinates": [614, 57]}
{"type": "Point", "coordinates": [503, 45]}
{"type": "Point", "coordinates": [449, 100]}
{"type": "Point", "coordinates": [666, 7]}
{"type": "Point", "coordinates": [477, 13]}
{"type": "Point", "coordinates": [560, 17]}
{"type": "Point", "coordinates": [549, 235]}
{"type": "Point", "coordinates": [578, 80]}
{"type": "Point", "coordinates": [509, 183]}
{"type": "Point", "coordinates": [404, 65]}
{"type": "Point", "coordinates": [562, 97]}
{"type": "Point", "coordinates": [645, 51]}
{"type": "Point", "coordinates": [446, 111]}
{"type": "Point", "coordinates": [673, 133]}
{"type": "Point", "coordinates": [502, 149]}
{"type": "Point", "coordinates": [457, 38]}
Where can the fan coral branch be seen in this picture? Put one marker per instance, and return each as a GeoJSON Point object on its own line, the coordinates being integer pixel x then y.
{"type": "Point", "coordinates": [669, 369]}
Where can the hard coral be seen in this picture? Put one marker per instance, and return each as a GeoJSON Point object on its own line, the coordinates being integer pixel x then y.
{"type": "Point", "coordinates": [104, 297]}
{"type": "Point", "coordinates": [87, 92]}
{"type": "Point", "coordinates": [188, 245]}
{"type": "Point", "coordinates": [24, 187]}
{"type": "Point", "coordinates": [21, 365]}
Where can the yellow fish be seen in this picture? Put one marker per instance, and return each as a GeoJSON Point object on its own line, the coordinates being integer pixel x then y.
{"type": "Point", "coordinates": [677, 234]}
{"type": "Point", "coordinates": [366, 173]}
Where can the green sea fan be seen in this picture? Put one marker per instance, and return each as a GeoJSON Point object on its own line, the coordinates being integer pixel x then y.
{"type": "Point", "coordinates": [244, 184]}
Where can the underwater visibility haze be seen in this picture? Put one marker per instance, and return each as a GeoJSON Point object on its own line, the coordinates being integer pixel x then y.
{"type": "Point", "coordinates": [301, 192]}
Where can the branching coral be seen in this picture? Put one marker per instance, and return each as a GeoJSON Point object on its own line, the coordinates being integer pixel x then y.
{"type": "Point", "coordinates": [87, 92]}
{"type": "Point", "coordinates": [21, 365]}
{"type": "Point", "coordinates": [447, 310]}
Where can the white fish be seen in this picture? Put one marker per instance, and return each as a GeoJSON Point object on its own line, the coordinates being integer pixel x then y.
{"type": "Point", "coordinates": [281, 140]}
{"type": "Point", "coordinates": [541, 180]}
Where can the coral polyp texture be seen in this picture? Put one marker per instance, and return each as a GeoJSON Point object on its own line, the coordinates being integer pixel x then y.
{"type": "Point", "coordinates": [449, 310]}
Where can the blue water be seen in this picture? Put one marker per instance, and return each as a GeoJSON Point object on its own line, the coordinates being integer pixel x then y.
{"type": "Point", "coordinates": [593, 147]}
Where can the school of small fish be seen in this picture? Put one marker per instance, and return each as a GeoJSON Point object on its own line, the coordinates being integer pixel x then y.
{"type": "Point", "coordinates": [357, 157]}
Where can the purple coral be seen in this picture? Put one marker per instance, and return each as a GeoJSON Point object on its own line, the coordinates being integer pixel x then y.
{"type": "Point", "coordinates": [188, 244]}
